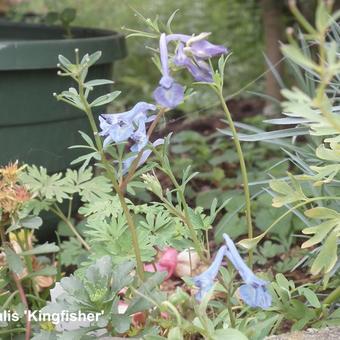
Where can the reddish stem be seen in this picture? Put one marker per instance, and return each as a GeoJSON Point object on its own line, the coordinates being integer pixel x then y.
{"type": "Point", "coordinates": [25, 303]}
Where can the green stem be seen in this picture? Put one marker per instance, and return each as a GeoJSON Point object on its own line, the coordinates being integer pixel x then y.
{"type": "Point", "coordinates": [333, 296]}
{"type": "Point", "coordinates": [174, 310]}
{"type": "Point", "coordinates": [61, 215]}
{"type": "Point", "coordinates": [9, 300]}
{"type": "Point", "coordinates": [242, 167]}
{"type": "Point", "coordinates": [36, 298]}
{"type": "Point", "coordinates": [193, 235]}
{"type": "Point", "coordinates": [197, 244]}
{"type": "Point", "coordinates": [230, 312]}
{"type": "Point", "coordinates": [111, 175]}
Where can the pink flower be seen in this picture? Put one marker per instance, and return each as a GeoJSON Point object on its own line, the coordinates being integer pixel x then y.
{"type": "Point", "coordinates": [166, 263]}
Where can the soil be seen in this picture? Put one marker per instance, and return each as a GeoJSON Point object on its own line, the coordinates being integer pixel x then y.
{"type": "Point", "coordinates": [332, 333]}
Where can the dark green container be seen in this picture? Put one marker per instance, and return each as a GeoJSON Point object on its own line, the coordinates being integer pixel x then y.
{"type": "Point", "coordinates": [34, 127]}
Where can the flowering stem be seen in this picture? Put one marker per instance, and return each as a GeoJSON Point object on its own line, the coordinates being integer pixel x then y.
{"type": "Point", "coordinates": [186, 217]}
{"type": "Point", "coordinates": [242, 167]}
{"type": "Point", "coordinates": [230, 311]}
{"type": "Point", "coordinates": [114, 182]}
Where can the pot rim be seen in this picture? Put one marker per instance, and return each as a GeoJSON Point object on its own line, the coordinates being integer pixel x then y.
{"type": "Point", "coordinates": [42, 53]}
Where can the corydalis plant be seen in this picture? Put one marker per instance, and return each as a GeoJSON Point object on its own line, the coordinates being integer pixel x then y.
{"type": "Point", "coordinates": [194, 54]}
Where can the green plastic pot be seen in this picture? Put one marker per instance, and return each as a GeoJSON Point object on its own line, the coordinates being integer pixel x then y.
{"type": "Point", "coordinates": [34, 127]}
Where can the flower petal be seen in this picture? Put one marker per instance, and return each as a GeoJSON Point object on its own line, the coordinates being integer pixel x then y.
{"type": "Point", "coordinates": [255, 296]}
{"type": "Point", "coordinates": [205, 280]}
{"type": "Point", "coordinates": [204, 49]}
{"type": "Point", "coordinates": [169, 97]}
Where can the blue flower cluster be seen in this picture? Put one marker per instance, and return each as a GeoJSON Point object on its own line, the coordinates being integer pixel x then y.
{"type": "Point", "coordinates": [129, 125]}
{"type": "Point", "coordinates": [254, 290]}
{"type": "Point", "coordinates": [192, 53]}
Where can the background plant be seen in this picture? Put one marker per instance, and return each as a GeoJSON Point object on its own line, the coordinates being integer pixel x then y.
{"type": "Point", "coordinates": [315, 109]}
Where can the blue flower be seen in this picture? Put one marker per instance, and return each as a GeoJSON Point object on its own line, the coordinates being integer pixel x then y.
{"type": "Point", "coordinates": [254, 292]}
{"type": "Point", "coordinates": [119, 127]}
{"type": "Point", "coordinates": [197, 46]}
{"type": "Point", "coordinates": [192, 51]}
{"type": "Point", "coordinates": [200, 70]}
{"type": "Point", "coordinates": [203, 49]}
{"type": "Point", "coordinates": [205, 280]}
{"type": "Point", "coordinates": [168, 94]}
{"type": "Point", "coordinates": [145, 155]}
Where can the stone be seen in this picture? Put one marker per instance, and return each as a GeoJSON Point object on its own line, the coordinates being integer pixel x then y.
{"type": "Point", "coordinates": [330, 333]}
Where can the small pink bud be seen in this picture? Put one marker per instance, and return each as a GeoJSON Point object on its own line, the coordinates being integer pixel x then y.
{"type": "Point", "coordinates": [166, 263]}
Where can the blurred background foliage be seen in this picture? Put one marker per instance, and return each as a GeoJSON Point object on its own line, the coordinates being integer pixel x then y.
{"type": "Point", "coordinates": [234, 23]}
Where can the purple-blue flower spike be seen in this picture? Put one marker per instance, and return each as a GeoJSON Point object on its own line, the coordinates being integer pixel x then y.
{"type": "Point", "coordinates": [119, 127]}
{"type": "Point", "coordinates": [205, 280]}
{"type": "Point", "coordinates": [254, 292]}
{"type": "Point", "coordinates": [200, 70]}
{"type": "Point", "coordinates": [166, 81]}
{"type": "Point", "coordinates": [168, 94]}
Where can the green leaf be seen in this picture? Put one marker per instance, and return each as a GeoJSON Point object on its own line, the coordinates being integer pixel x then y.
{"type": "Point", "coordinates": [46, 271]}
{"type": "Point", "coordinates": [41, 249]}
{"type": "Point", "coordinates": [121, 323]}
{"type": "Point", "coordinates": [72, 253]}
{"type": "Point", "coordinates": [139, 303]}
{"type": "Point", "coordinates": [310, 296]}
{"type": "Point", "coordinates": [283, 283]}
{"type": "Point", "coordinates": [322, 212]}
{"type": "Point", "coordinates": [31, 222]}
{"type": "Point", "coordinates": [53, 187]}
{"type": "Point", "coordinates": [122, 277]}
{"type": "Point", "coordinates": [92, 59]}
{"type": "Point", "coordinates": [320, 232]}
{"type": "Point", "coordinates": [13, 260]}
{"type": "Point", "coordinates": [175, 333]}
{"type": "Point", "coordinates": [295, 54]}
{"type": "Point", "coordinates": [327, 256]}
{"type": "Point", "coordinates": [288, 193]}
{"type": "Point", "coordinates": [251, 243]}
{"type": "Point", "coordinates": [64, 61]}
{"type": "Point", "coordinates": [98, 82]}
{"type": "Point", "coordinates": [105, 99]}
